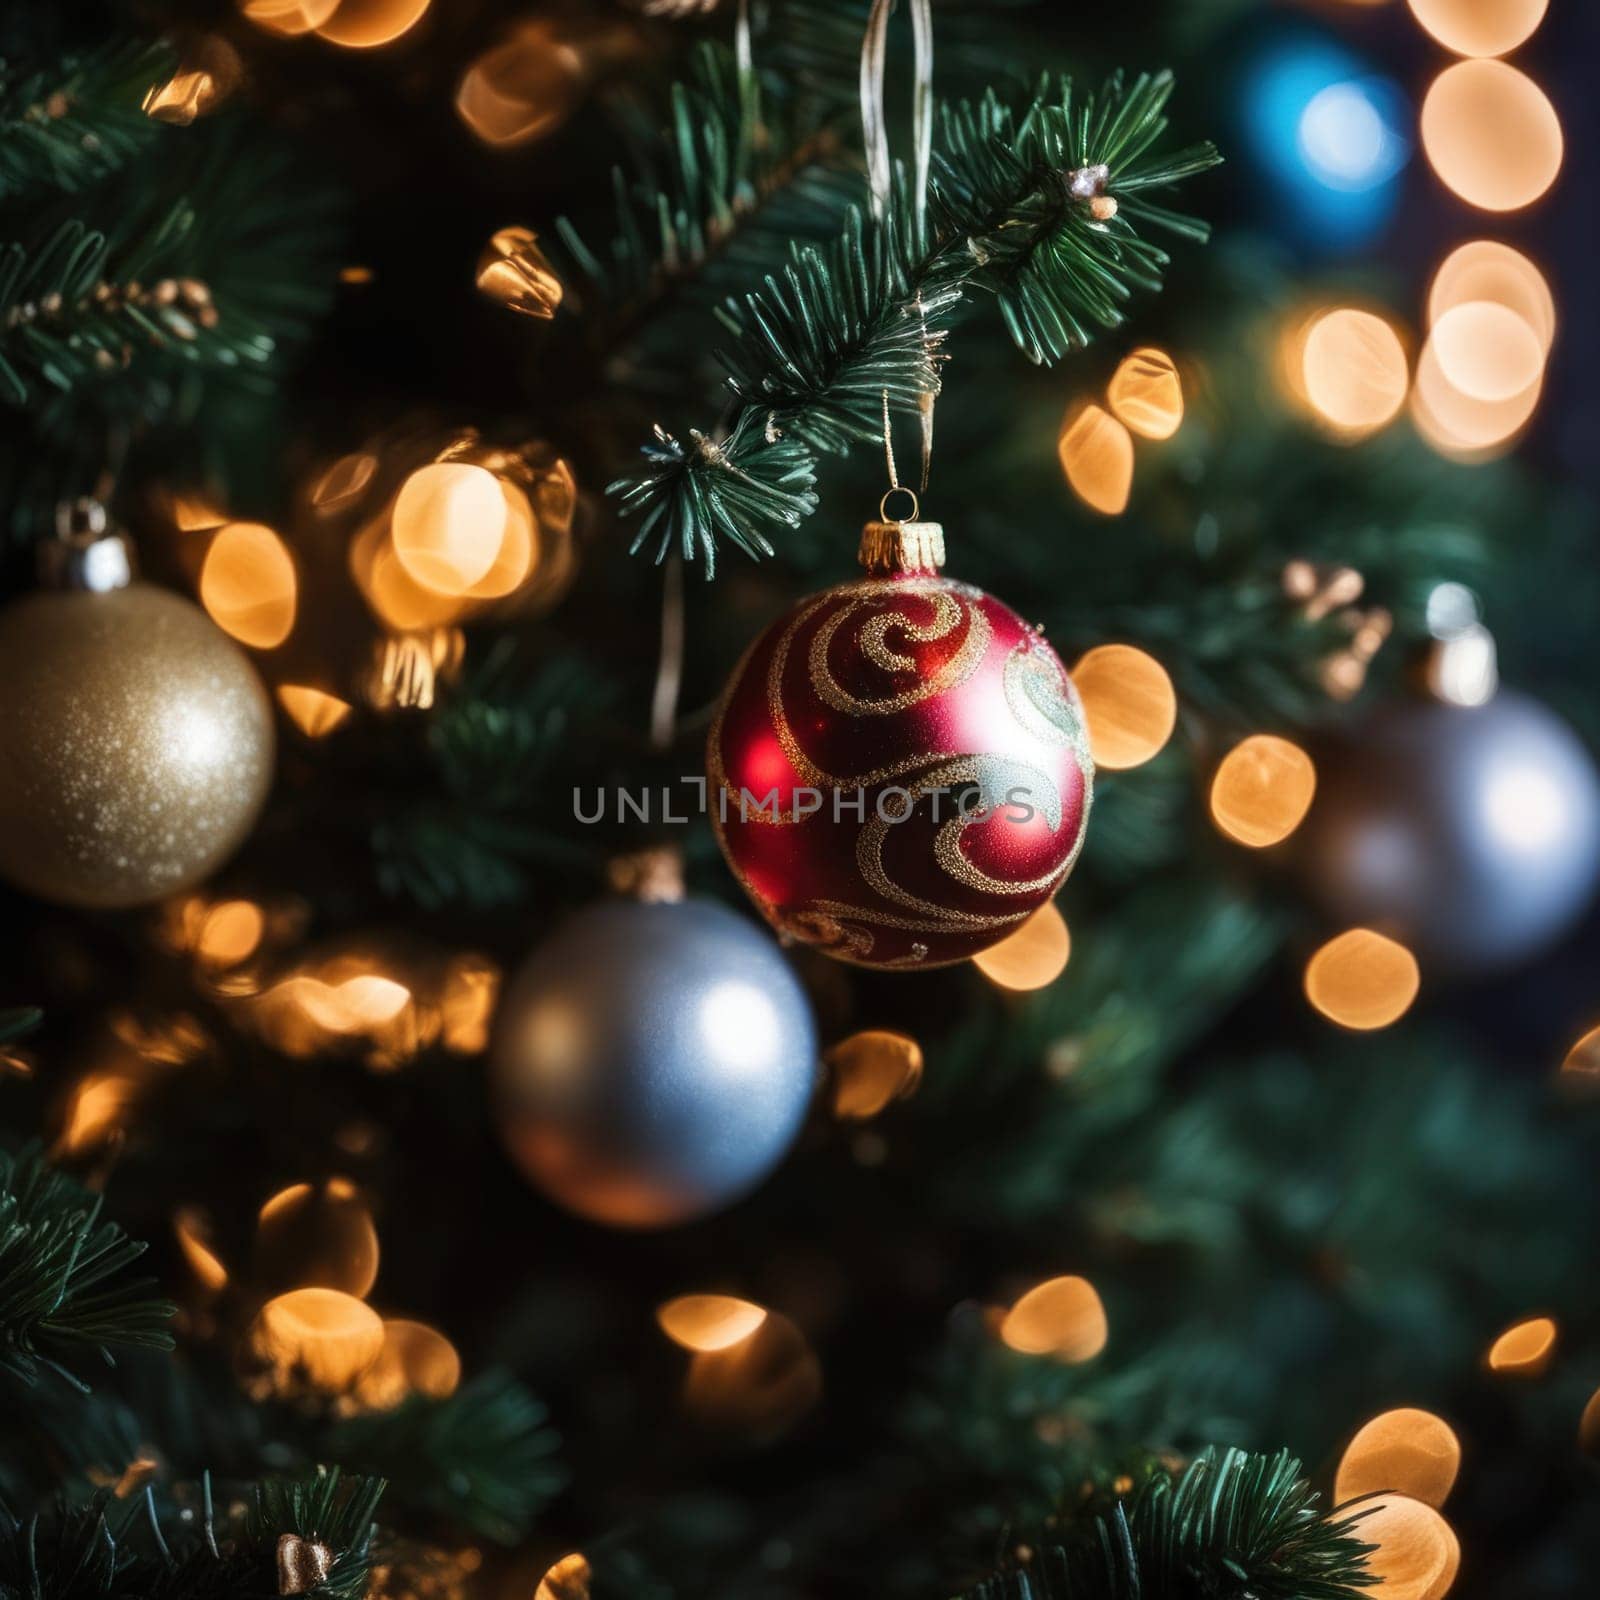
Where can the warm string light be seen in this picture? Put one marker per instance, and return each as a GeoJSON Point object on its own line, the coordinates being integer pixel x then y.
{"type": "Point", "coordinates": [192, 1229]}
{"type": "Point", "coordinates": [1417, 1554]}
{"type": "Point", "coordinates": [1480, 27]}
{"type": "Point", "coordinates": [1491, 135]}
{"type": "Point", "coordinates": [230, 933]}
{"type": "Point", "coordinates": [1262, 790]}
{"type": "Point", "coordinates": [414, 1359]}
{"type": "Point", "coordinates": [1128, 702]}
{"type": "Point", "coordinates": [248, 584]}
{"type": "Point", "coordinates": [1146, 394]}
{"type": "Point", "coordinates": [870, 1071]}
{"type": "Point", "coordinates": [1061, 1317]}
{"type": "Point", "coordinates": [523, 88]}
{"type": "Point", "coordinates": [1481, 372]}
{"type": "Point", "coordinates": [1581, 1068]}
{"type": "Point", "coordinates": [1405, 1451]}
{"type": "Point", "coordinates": [317, 1236]}
{"type": "Point", "coordinates": [1353, 372]}
{"type": "Point", "coordinates": [1096, 452]}
{"type": "Point", "coordinates": [366, 24]}
{"type": "Point", "coordinates": [315, 712]}
{"type": "Point", "coordinates": [761, 1385]}
{"type": "Point", "coordinates": [515, 272]}
{"type": "Point", "coordinates": [568, 1579]}
{"type": "Point", "coordinates": [316, 1339]}
{"type": "Point", "coordinates": [288, 17]}
{"type": "Point", "coordinates": [1362, 980]}
{"type": "Point", "coordinates": [1035, 955]}
{"type": "Point", "coordinates": [343, 483]}
{"type": "Point", "coordinates": [361, 999]}
{"type": "Point", "coordinates": [1524, 1350]}
{"type": "Point", "coordinates": [704, 1322]}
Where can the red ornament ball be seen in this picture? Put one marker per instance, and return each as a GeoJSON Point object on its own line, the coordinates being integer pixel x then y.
{"type": "Point", "coordinates": [899, 771]}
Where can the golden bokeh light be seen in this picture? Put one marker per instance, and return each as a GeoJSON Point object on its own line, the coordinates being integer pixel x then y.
{"type": "Point", "coordinates": [182, 98]}
{"type": "Point", "coordinates": [321, 1338]}
{"type": "Point", "coordinates": [314, 712]}
{"type": "Point", "coordinates": [1486, 351]}
{"type": "Point", "coordinates": [1589, 1426]}
{"type": "Point", "coordinates": [192, 1230]}
{"type": "Point", "coordinates": [1405, 1451]}
{"type": "Point", "coordinates": [1353, 371]}
{"type": "Point", "coordinates": [1362, 980]}
{"type": "Point", "coordinates": [871, 1070]}
{"type": "Point", "coordinates": [466, 1003]}
{"type": "Point", "coordinates": [353, 1005]}
{"type": "Point", "coordinates": [230, 933]}
{"type": "Point", "coordinates": [762, 1385]}
{"type": "Point", "coordinates": [709, 1321]}
{"type": "Point", "coordinates": [1582, 1063]}
{"type": "Point", "coordinates": [1525, 1349]}
{"type": "Point", "coordinates": [516, 273]}
{"type": "Point", "coordinates": [1491, 135]}
{"type": "Point", "coordinates": [366, 24]}
{"type": "Point", "coordinates": [1128, 702]}
{"type": "Point", "coordinates": [344, 482]}
{"type": "Point", "coordinates": [1096, 453]}
{"type": "Point", "coordinates": [1146, 394]}
{"type": "Point", "coordinates": [517, 553]}
{"type": "Point", "coordinates": [394, 595]}
{"type": "Point", "coordinates": [1483, 269]}
{"type": "Point", "coordinates": [1262, 790]}
{"type": "Point", "coordinates": [1480, 27]}
{"type": "Point", "coordinates": [523, 88]}
{"type": "Point", "coordinates": [1459, 426]}
{"type": "Point", "coordinates": [96, 1113]}
{"type": "Point", "coordinates": [1033, 955]}
{"type": "Point", "coordinates": [1417, 1555]}
{"type": "Point", "coordinates": [317, 1236]}
{"type": "Point", "coordinates": [248, 584]}
{"type": "Point", "coordinates": [568, 1579]}
{"type": "Point", "coordinates": [1061, 1317]}
{"type": "Point", "coordinates": [448, 525]}
{"type": "Point", "coordinates": [415, 1360]}
{"type": "Point", "coordinates": [288, 17]}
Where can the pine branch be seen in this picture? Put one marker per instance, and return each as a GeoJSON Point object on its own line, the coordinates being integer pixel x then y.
{"type": "Point", "coordinates": [819, 346]}
{"type": "Point", "coordinates": [483, 1458]}
{"type": "Point", "coordinates": [729, 175]}
{"type": "Point", "coordinates": [69, 124]}
{"type": "Point", "coordinates": [1230, 1524]}
{"type": "Point", "coordinates": [58, 1261]}
{"type": "Point", "coordinates": [129, 1550]}
{"type": "Point", "coordinates": [146, 281]}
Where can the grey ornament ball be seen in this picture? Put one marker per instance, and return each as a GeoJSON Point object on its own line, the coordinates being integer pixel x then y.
{"type": "Point", "coordinates": [1471, 833]}
{"type": "Point", "coordinates": [652, 1062]}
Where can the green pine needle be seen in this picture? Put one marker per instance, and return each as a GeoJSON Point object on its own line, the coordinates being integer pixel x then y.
{"type": "Point", "coordinates": [1230, 1526]}
{"type": "Point", "coordinates": [61, 1286]}
{"type": "Point", "coordinates": [817, 348]}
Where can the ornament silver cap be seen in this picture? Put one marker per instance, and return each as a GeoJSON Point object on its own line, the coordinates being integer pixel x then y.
{"type": "Point", "coordinates": [87, 553]}
{"type": "Point", "coordinates": [1460, 667]}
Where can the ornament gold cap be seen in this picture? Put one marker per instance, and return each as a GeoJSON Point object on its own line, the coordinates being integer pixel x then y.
{"type": "Point", "coordinates": [87, 553]}
{"type": "Point", "coordinates": [1460, 667]}
{"type": "Point", "coordinates": [893, 548]}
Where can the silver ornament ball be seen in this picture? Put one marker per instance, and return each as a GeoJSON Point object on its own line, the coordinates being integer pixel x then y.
{"type": "Point", "coordinates": [652, 1062]}
{"type": "Point", "coordinates": [1472, 833]}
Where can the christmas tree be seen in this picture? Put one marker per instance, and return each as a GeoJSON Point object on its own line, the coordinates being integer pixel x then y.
{"type": "Point", "coordinates": [582, 1026]}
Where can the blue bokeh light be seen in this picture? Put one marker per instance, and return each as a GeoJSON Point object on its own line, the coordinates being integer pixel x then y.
{"type": "Point", "coordinates": [1330, 137]}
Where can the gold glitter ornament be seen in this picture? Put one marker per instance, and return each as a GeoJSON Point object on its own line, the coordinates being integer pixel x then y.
{"type": "Point", "coordinates": [136, 739]}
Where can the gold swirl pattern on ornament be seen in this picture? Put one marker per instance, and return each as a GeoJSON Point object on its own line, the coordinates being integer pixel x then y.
{"type": "Point", "coordinates": [808, 772]}
{"type": "Point", "coordinates": [948, 614]}
{"type": "Point", "coordinates": [889, 919]}
{"type": "Point", "coordinates": [947, 851]}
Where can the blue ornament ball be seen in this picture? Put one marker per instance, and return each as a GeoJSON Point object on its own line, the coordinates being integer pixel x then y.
{"type": "Point", "coordinates": [652, 1062]}
{"type": "Point", "coordinates": [1471, 833]}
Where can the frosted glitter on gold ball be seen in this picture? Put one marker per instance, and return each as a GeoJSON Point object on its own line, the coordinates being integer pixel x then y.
{"type": "Point", "coordinates": [137, 744]}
